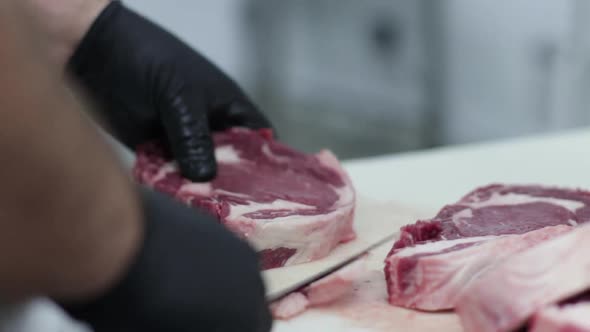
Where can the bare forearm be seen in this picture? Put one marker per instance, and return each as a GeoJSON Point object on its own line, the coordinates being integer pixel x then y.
{"type": "Point", "coordinates": [69, 215]}
{"type": "Point", "coordinates": [64, 22]}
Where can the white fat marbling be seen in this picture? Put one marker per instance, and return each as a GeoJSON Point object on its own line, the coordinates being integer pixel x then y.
{"type": "Point", "coordinates": [306, 234]}
{"type": "Point", "coordinates": [515, 199]}
{"type": "Point", "coordinates": [201, 189]}
{"type": "Point", "coordinates": [227, 155]}
{"type": "Point", "coordinates": [266, 150]}
{"type": "Point", "coordinates": [461, 215]}
{"type": "Point", "coordinates": [168, 168]}
{"type": "Point", "coordinates": [541, 275]}
{"type": "Point", "coordinates": [237, 211]}
{"type": "Point", "coordinates": [231, 193]}
{"type": "Point", "coordinates": [438, 246]}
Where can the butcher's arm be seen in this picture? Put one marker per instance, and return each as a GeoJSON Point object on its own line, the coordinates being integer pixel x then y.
{"type": "Point", "coordinates": [187, 273]}
{"type": "Point", "coordinates": [70, 218]}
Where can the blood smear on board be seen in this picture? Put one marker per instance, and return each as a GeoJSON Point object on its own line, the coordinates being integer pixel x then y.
{"type": "Point", "coordinates": [367, 307]}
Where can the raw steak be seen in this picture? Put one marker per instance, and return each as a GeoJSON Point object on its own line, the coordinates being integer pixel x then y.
{"type": "Point", "coordinates": [462, 238]}
{"type": "Point", "coordinates": [500, 209]}
{"type": "Point", "coordinates": [292, 207]}
{"type": "Point", "coordinates": [505, 297]}
{"type": "Point", "coordinates": [322, 292]}
{"type": "Point", "coordinates": [431, 276]}
{"type": "Point", "coordinates": [290, 306]}
{"type": "Point", "coordinates": [569, 318]}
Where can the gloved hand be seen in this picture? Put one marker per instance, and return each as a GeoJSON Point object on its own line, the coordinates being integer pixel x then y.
{"type": "Point", "coordinates": [150, 85]}
{"type": "Point", "coordinates": [190, 275]}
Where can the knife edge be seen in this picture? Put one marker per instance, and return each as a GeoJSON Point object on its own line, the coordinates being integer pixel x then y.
{"type": "Point", "coordinates": [326, 272]}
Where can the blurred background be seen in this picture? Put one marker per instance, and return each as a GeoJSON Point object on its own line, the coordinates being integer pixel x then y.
{"type": "Point", "coordinates": [382, 76]}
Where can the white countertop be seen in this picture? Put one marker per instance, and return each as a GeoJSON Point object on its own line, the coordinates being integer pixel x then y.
{"type": "Point", "coordinates": [436, 177]}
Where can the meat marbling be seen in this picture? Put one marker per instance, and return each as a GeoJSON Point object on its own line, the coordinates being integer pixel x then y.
{"type": "Point", "coordinates": [292, 207]}
{"type": "Point", "coordinates": [434, 260]}
{"type": "Point", "coordinates": [432, 276]}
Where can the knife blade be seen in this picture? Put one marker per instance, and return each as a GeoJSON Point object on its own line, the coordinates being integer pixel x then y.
{"type": "Point", "coordinates": [326, 272]}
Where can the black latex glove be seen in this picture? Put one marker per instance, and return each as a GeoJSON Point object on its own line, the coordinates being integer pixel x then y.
{"type": "Point", "coordinates": [150, 85]}
{"type": "Point", "coordinates": [190, 275]}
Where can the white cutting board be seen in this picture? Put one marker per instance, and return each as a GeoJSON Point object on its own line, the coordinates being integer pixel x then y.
{"type": "Point", "coordinates": [367, 310]}
{"type": "Point", "coordinates": [373, 222]}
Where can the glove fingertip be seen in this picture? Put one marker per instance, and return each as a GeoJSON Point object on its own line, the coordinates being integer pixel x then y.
{"type": "Point", "coordinates": [198, 171]}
